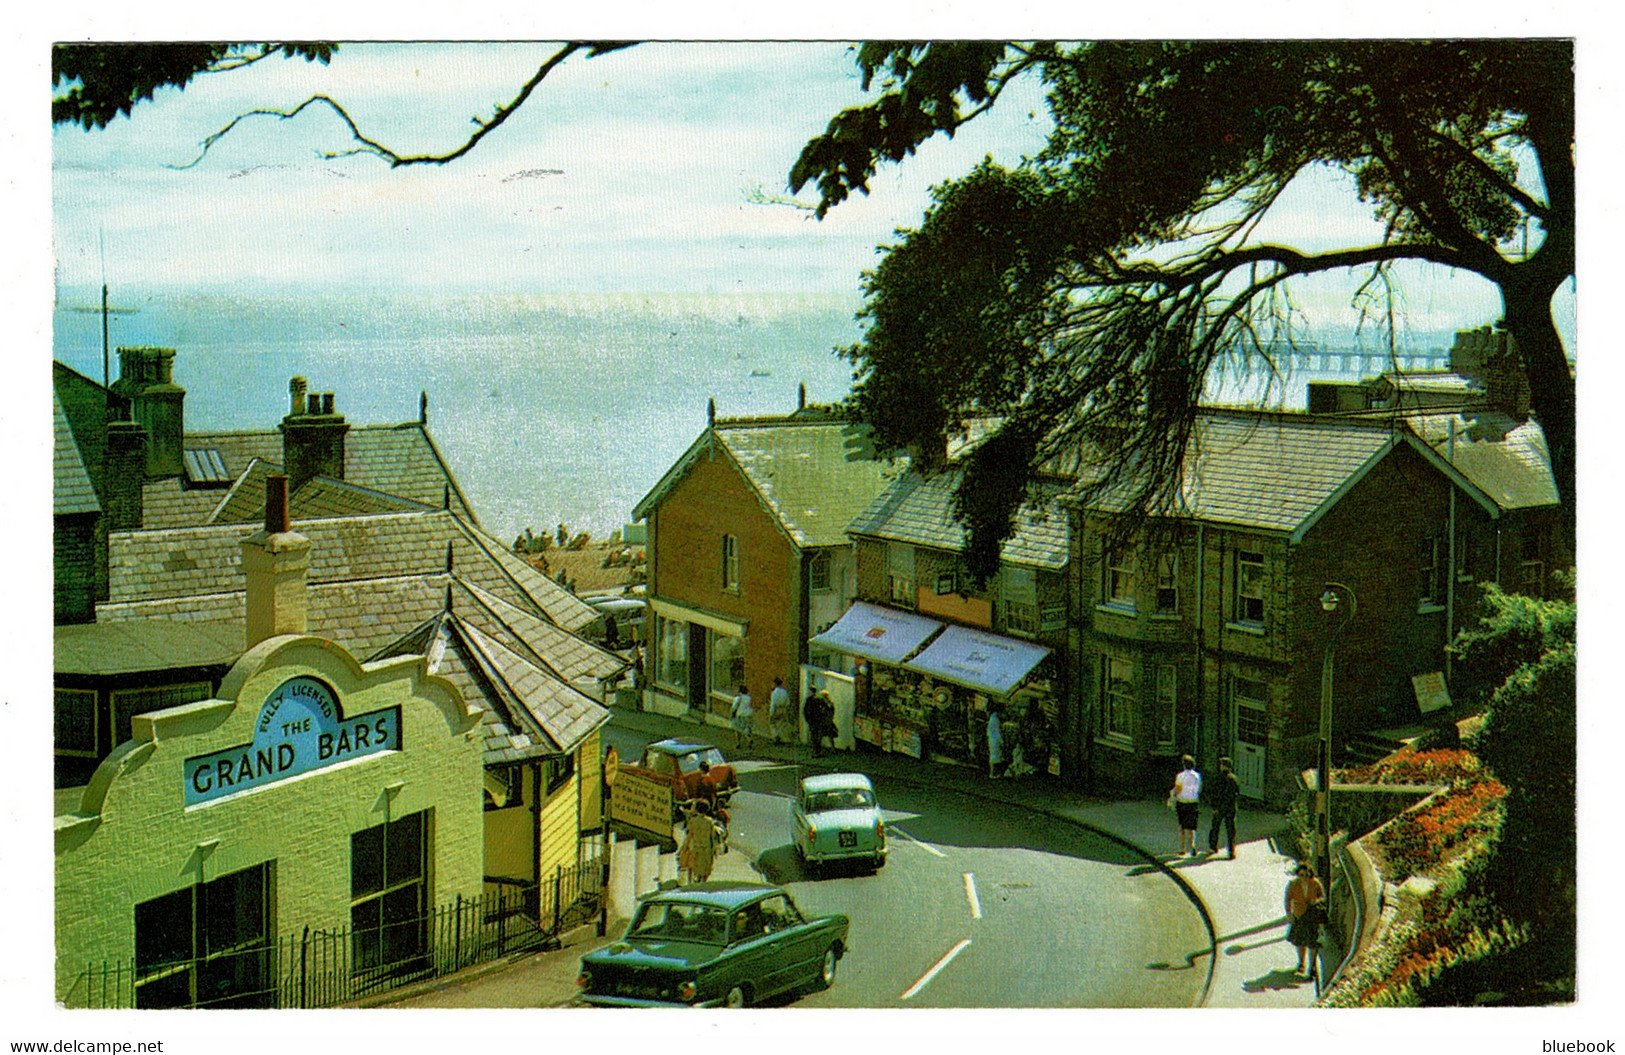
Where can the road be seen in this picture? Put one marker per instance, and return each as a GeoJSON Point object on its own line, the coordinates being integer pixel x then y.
{"type": "Point", "coordinates": [980, 905]}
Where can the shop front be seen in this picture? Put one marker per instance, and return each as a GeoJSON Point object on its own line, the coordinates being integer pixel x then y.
{"type": "Point", "coordinates": [926, 689]}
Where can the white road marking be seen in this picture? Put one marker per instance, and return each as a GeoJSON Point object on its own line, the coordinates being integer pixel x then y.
{"type": "Point", "coordinates": [970, 895]}
{"type": "Point", "coordinates": [932, 973]}
{"type": "Point", "coordinates": [924, 846]}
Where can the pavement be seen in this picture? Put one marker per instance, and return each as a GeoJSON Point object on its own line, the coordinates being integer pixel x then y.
{"type": "Point", "coordinates": [1249, 963]}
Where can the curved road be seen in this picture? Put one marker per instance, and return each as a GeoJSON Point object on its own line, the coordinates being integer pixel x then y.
{"type": "Point", "coordinates": [983, 905]}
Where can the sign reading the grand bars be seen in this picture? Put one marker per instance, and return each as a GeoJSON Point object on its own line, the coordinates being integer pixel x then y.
{"type": "Point", "coordinates": [641, 802]}
{"type": "Point", "coordinates": [300, 729]}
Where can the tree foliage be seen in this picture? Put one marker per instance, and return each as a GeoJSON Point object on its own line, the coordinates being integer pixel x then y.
{"type": "Point", "coordinates": [1086, 295]}
{"type": "Point", "coordinates": [98, 82]}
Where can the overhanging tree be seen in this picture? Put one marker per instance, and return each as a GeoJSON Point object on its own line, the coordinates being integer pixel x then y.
{"type": "Point", "coordinates": [1086, 295]}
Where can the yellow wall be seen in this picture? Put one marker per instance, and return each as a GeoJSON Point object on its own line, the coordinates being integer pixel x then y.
{"type": "Point", "coordinates": [134, 838]}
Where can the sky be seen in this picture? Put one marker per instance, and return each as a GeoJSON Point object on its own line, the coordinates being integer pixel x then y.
{"type": "Point", "coordinates": [628, 172]}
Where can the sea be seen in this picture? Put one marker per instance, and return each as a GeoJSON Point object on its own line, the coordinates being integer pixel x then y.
{"type": "Point", "coordinates": [550, 409]}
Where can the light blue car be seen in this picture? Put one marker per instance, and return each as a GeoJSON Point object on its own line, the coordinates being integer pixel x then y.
{"type": "Point", "coordinates": [836, 817]}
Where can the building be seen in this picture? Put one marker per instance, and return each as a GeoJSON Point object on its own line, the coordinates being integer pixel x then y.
{"type": "Point", "coordinates": [748, 555]}
{"type": "Point", "coordinates": [1208, 635]}
{"type": "Point", "coordinates": [935, 651]}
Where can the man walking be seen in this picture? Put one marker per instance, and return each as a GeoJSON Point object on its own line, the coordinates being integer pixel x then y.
{"type": "Point", "coordinates": [778, 709]}
{"type": "Point", "coordinates": [1222, 792]}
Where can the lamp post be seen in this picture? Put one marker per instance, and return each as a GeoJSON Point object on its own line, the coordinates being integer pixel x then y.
{"type": "Point", "coordinates": [1329, 601]}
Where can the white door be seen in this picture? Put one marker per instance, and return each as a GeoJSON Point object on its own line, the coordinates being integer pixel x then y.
{"type": "Point", "coordinates": [1252, 736]}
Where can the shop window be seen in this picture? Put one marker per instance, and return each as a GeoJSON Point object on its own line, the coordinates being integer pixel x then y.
{"type": "Point", "coordinates": [1168, 584]}
{"type": "Point", "coordinates": [1117, 699]}
{"type": "Point", "coordinates": [127, 703]}
{"type": "Point", "coordinates": [1167, 704]}
{"type": "Point", "coordinates": [1430, 567]}
{"type": "Point", "coordinates": [727, 664]}
{"type": "Point", "coordinates": [1117, 585]}
{"type": "Point", "coordinates": [900, 569]}
{"type": "Point", "coordinates": [207, 945]}
{"type": "Point", "coordinates": [389, 894]}
{"type": "Point", "coordinates": [671, 655]}
{"type": "Point", "coordinates": [730, 562]}
{"type": "Point", "coordinates": [818, 580]}
{"type": "Point", "coordinates": [1249, 608]}
{"type": "Point", "coordinates": [75, 718]}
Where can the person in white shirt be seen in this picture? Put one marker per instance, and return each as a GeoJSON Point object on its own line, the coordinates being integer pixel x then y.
{"type": "Point", "coordinates": [741, 716]}
{"type": "Point", "coordinates": [1186, 793]}
{"type": "Point", "coordinates": [778, 709]}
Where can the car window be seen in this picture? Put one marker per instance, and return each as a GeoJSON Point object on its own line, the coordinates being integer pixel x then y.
{"type": "Point", "coordinates": [691, 762]}
{"type": "Point", "coordinates": [748, 923]}
{"type": "Point", "coordinates": [840, 799]}
{"type": "Point", "coordinates": [714, 756]}
{"type": "Point", "coordinates": [681, 921]}
{"type": "Point", "coordinates": [778, 913]}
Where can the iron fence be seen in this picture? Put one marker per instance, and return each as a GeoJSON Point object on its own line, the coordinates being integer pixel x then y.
{"type": "Point", "coordinates": [322, 968]}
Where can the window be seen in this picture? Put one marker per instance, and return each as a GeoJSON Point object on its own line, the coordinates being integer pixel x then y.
{"type": "Point", "coordinates": [75, 714]}
{"type": "Point", "coordinates": [1250, 588]}
{"type": "Point", "coordinates": [389, 893]}
{"type": "Point", "coordinates": [558, 771]}
{"type": "Point", "coordinates": [130, 702]}
{"type": "Point", "coordinates": [1531, 565]}
{"type": "Point", "coordinates": [1252, 724]}
{"type": "Point", "coordinates": [900, 569]}
{"type": "Point", "coordinates": [1018, 598]}
{"type": "Point", "coordinates": [1117, 698]}
{"type": "Point", "coordinates": [1168, 584]}
{"type": "Point", "coordinates": [671, 654]}
{"type": "Point", "coordinates": [1118, 585]}
{"type": "Point", "coordinates": [1167, 703]}
{"type": "Point", "coordinates": [1430, 565]}
{"type": "Point", "coordinates": [727, 664]}
{"type": "Point", "coordinates": [730, 562]}
{"type": "Point", "coordinates": [818, 572]}
{"type": "Point", "coordinates": [207, 945]}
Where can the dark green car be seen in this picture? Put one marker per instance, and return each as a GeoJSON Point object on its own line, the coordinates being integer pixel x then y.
{"type": "Point", "coordinates": [711, 944]}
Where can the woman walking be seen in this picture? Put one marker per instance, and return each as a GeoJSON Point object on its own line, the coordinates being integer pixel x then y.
{"type": "Point", "coordinates": [1306, 909]}
{"type": "Point", "coordinates": [741, 715]}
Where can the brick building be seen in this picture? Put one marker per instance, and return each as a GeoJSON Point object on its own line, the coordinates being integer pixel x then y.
{"type": "Point", "coordinates": [748, 555]}
{"type": "Point", "coordinates": [1212, 642]}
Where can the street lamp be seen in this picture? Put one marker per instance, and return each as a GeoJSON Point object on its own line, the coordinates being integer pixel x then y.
{"type": "Point", "coordinates": [1323, 780]}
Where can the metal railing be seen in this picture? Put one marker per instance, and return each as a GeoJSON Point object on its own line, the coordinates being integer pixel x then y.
{"type": "Point", "coordinates": [321, 968]}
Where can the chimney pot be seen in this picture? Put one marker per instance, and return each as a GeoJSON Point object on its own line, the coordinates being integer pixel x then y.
{"type": "Point", "coordinates": [296, 391]}
{"type": "Point", "coordinates": [327, 402]}
{"type": "Point", "coordinates": [276, 505]}
{"type": "Point", "coordinates": [313, 404]}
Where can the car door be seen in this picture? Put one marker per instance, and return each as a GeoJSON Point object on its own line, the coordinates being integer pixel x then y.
{"type": "Point", "coordinates": [798, 821]}
{"type": "Point", "coordinates": [753, 952]}
{"type": "Point", "coordinates": [801, 944]}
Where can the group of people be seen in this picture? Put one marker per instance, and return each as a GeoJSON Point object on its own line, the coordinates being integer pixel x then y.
{"type": "Point", "coordinates": [1305, 894]}
{"type": "Point", "coordinates": [818, 711]}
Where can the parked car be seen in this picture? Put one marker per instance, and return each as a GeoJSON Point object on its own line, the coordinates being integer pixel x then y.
{"type": "Point", "coordinates": [714, 944]}
{"type": "Point", "coordinates": [836, 817]}
{"type": "Point", "coordinates": [677, 763]}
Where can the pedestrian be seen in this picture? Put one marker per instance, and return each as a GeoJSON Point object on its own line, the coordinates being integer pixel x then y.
{"type": "Point", "coordinates": [612, 633]}
{"type": "Point", "coordinates": [637, 667]}
{"type": "Point", "coordinates": [699, 852]}
{"type": "Point", "coordinates": [778, 709]}
{"type": "Point", "coordinates": [741, 715]}
{"type": "Point", "coordinates": [995, 742]}
{"type": "Point", "coordinates": [826, 719]}
{"type": "Point", "coordinates": [1306, 908]}
{"type": "Point", "coordinates": [1221, 794]}
{"type": "Point", "coordinates": [809, 715]}
{"type": "Point", "coordinates": [1186, 793]}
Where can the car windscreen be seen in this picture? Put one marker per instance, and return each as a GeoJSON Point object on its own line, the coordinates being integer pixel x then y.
{"type": "Point", "coordinates": [680, 921]}
{"type": "Point", "coordinates": [839, 799]}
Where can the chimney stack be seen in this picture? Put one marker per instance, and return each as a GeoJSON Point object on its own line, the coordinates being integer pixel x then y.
{"type": "Point", "coordinates": [296, 395]}
{"type": "Point", "coordinates": [145, 382]}
{"type": "Point", "coordinates": [275, 562]}
{"type": "Point", "coordinates": [124, 470]}
{"type": "Point", "coordinates": [312, 441]}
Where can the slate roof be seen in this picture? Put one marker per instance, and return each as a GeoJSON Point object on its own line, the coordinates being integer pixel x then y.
{"type": "Point", "coordinates": [72, 491]}
{"type": "Point", "coordinates": [154, 644]}
{"type": "Point", "coordinates": [190, 563]}
{"type": "Point", "coordinates": [812, 475]}
{"type": "Point", "coordinates": [919, 511]}
{"type": "Point", "coordinates": [1501, 456]}
{"type": "Point", "coordinates": [528, 711]}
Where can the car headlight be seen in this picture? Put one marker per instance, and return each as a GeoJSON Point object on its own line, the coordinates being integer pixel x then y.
{"type": "Point", "coordinates": [584, 979]}
{"type": "Point", "coordinates": [880, 831]}
{"type": "Point", "coordinates": [812, 831]}
{"type": "Point", "coordinates": [687, 991]}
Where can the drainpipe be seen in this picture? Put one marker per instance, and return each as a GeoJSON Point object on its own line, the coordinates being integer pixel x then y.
{"type": "Point", "coordinates": [1450, 573]}
{"type": "Point", "coordinates": [536, 833]}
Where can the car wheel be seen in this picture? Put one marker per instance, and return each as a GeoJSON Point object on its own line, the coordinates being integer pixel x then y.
{"type": "Point", "coordinates": [880, 861]}
{"type": "Point", "coordinates": [736, 997]}
{"type": "Point", "coordinates": [826, 970]}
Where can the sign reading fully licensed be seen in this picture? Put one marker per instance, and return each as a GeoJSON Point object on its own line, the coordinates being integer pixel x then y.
{"type": "Point", "coordinates": [300, 729]}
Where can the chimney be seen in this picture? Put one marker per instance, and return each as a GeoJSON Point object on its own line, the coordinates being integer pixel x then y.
{"type": "Point", "coordinates": [275, 560]}
{"type": "Point", "coordinates": [124, 470]}
{"type": "Point", "coordinates": [313, 441]}
{"type": "Point", "coordinates": [296, 395]}
{"type": "Point", "coordinates": [145, 380]}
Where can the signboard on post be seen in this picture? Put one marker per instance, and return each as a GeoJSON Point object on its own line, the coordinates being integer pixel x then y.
{"type": "Point", "coordinates": [1431, 693]}
{"type": "Point", "coordinates": [641, 803]}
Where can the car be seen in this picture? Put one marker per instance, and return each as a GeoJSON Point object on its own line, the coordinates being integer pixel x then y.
{"type": "Point", "coordinates": [676, 763]}
{"type": "Point", "coordinates": [836, 817]}
{"type": "Point", "coordinates": [715, 944]}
